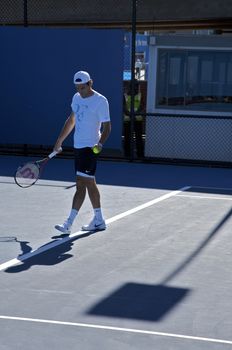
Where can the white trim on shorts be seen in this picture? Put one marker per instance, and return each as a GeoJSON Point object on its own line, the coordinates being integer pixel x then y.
{"type": "Point", "coordinates": [79, 173]}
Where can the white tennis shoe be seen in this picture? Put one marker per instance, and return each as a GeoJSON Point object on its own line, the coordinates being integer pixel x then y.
{"type": "Point", "coordinates": [65, 227]}
{"type": "Point", "coordinates": [95, 225]}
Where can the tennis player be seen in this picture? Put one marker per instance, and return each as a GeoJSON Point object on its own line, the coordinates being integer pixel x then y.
{"type": "Point", "coordinates": [91, 119]}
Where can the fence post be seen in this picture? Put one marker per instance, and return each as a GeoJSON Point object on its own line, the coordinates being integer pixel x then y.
{"type": "Point", "coordinates": [25, 15]}
{"type": "Point", "coordinates": [132, 82]}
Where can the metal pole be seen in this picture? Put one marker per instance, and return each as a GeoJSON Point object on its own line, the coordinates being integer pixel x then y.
{"type": "Point", "coordinates": [132, 83]}
{"type": "Point", "coordinates": [25, 13]}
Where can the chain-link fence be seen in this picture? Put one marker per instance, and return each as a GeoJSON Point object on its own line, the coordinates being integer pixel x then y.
{"type": "Point", "coordinates": [150, 14]}
{"type": "Point", "coordinates": [189, 138]}
{"type": "Point", "coordinates": [66, 12]}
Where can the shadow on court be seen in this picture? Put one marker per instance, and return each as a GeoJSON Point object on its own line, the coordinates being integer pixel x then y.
{"type": "Point", "coordinates": [49, 255]}
{"type": "Point", "coordinates": [25, 248]}
{"type": "Point", "coordinates": [54, 254]}
{"type": "Point", "coordinates": [150, 302]}
{"type": "Point", "coordinates": [199, 249]}
{"type": "Point", "coordinates": [140, 302]}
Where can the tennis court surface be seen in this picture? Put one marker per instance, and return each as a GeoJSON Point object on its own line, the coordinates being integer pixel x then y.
{"type": "Point", "coordinates": [158, 278]}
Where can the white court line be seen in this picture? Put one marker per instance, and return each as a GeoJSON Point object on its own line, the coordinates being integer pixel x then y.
{"type": "Point", "coordinates": [204, 197]}
{"type": "Point", "coordinates": [53, 244]}
{"type": "Point", "coordinates": [119, 329]}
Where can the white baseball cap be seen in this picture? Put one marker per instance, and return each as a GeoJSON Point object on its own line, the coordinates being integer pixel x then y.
{"type": "Point", "coordinates": [81, 77]}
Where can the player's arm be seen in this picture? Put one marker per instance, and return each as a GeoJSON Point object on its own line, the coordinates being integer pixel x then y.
{"type": "Point", "coordinates": [66, 130]}
{"type": "Point", "coordinates": [106, 129]}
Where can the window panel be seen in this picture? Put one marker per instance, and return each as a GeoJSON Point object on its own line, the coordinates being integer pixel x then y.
{"type": "Point", "coordinates": [194, 80]}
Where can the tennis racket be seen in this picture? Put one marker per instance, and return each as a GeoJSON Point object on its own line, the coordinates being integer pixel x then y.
{"type": "Point", "coordinates": [27, 174]}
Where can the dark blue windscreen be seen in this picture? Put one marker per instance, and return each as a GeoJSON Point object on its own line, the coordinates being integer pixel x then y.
{"type": "Point", "coordinates": [37, 67]}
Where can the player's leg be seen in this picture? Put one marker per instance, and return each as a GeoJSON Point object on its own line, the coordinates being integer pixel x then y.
{"type": "Point", "coordinates": [93, 192]}
{"type": "Point", "coordinates": [78, 199]}
{"type": "Point", "coordinates": [80, 193]}
{"type": "Point", "coordinates": [98, 222]}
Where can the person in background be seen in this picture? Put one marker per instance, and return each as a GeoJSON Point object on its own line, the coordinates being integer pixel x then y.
{"type": "Point", "coordinates": [138, 122]}
{"type": "Point", "coordinates": [138, 68]}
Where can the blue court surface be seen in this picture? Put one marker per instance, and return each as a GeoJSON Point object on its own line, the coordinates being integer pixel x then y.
{"type": "Point", "coordinates": [159, 276]}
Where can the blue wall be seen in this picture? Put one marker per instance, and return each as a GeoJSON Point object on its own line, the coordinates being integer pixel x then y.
{"type": "Point", "coordinates": [37, 67]}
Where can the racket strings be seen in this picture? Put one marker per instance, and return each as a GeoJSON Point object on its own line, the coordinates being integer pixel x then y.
{"type": "Point", "coordinates": [27, 174]}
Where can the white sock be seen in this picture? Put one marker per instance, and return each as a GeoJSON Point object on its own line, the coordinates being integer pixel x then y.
{"type": "Point", "coordinates": [98, 214]}
{"type": "Point", "coordinates": [72, 216]}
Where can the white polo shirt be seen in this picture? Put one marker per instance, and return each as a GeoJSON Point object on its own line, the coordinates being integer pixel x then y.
{"type": "Point", "coordinates": [89, 112]}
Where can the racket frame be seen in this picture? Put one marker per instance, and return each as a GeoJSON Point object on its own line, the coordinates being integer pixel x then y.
{"type": "Point", "coordinates": [39, 164]}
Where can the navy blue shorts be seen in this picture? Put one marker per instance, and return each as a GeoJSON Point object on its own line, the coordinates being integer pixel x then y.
{"type": "Point", "coordinates": [85, 162]}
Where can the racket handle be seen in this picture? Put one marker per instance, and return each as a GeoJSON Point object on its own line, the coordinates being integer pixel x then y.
{"type": "Point", "coordinates": [54, 153]}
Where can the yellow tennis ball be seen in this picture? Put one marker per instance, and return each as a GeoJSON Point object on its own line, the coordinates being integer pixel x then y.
{"type": "Point", "coordinates": [96, 150]}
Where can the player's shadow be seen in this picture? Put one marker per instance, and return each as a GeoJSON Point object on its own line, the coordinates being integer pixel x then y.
{"type": "Point", "coordinates": [51, 253]}
{"type": "Point", "coordinates": [25, 248]}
